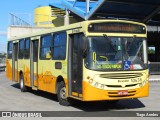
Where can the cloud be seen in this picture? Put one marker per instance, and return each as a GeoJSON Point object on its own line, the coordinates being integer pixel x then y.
{"type": "Point", "coordinates": [3, 33]}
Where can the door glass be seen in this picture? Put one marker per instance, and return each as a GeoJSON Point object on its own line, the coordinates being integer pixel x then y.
{"type": "Point", "coordinates": [15, 51]}
{"type": "Point", "coordinates": [35, 51]}
{"type": "Point", "coordinates": [77, 63]}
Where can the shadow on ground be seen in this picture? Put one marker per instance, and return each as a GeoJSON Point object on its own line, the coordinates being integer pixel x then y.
{"type": "Point", "coordinates": [93, 106]}
{"type": "Point", "coordinates": [39, 93]}
{"type": "Point", "coordinates": [107, 105]}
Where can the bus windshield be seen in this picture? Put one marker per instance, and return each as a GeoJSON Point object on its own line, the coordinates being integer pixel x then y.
{"type": "Point", "coordinates": [116, 53]}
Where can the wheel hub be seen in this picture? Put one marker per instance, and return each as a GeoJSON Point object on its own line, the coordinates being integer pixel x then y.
{"type": "Point", "coordinates": [21, 84]}
{"type": "Point", "coordinates": [63, 93]}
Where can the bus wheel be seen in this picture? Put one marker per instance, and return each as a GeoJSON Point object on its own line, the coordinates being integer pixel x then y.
{"type": "Point", "coordinates": [22, 86]}
{"type": "Point", "coordinates": [61, 94]}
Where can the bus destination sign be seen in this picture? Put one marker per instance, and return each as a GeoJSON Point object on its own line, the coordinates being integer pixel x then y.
{"type": "Point", "coordinates": [117, 27]}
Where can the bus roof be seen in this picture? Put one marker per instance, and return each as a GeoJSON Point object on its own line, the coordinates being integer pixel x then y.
{"type": "Point", "coordinates": [69, 27]}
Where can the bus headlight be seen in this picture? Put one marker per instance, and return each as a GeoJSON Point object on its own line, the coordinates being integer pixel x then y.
{"type": "Point", "coordinates": [102, 86]}
{"type": "Point", "coordinates": [96, 84]}
{"type": "Point", "coordinates": [91, 81]}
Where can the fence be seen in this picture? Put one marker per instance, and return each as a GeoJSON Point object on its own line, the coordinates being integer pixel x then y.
{"type": "Point", "coordinates": [15, 20]}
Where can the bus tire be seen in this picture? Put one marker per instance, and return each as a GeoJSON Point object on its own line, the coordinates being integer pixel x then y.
{"type": "Point", "coordinates": [61, 94]}
{"type": "Point", "coordinates": [22, 86]}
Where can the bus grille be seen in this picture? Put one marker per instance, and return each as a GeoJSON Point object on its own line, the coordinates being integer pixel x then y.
{"type": "Point", "coordinates": [119, 86]}
{"type": "Point", "coordinates": [121, 75]}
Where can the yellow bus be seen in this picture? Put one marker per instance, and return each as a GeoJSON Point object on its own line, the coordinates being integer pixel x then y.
{"type": "Point", "coordinates": [97, 60]}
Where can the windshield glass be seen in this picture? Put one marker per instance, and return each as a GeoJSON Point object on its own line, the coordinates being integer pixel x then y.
{"type": "Point", "coordinates": [116, 53]}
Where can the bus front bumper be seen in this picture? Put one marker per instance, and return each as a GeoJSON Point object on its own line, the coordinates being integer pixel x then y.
{"type": "Point", "coordinates": [91, 93]}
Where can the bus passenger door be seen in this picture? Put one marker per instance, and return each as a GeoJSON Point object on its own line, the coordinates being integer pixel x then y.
{"type": "Point", "coordinates": [34, 64]}
{"type": "Point", "coordinates": [75, 65]}
{"type": "Point", "coordinates": [15, 62]}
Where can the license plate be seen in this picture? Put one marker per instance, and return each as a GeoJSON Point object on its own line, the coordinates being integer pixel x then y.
{"type": "Point", "coordinates": [123, 92]}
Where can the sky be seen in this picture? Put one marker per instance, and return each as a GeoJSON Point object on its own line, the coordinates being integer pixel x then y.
{"type": "Point", "coordinates": [17, 7]}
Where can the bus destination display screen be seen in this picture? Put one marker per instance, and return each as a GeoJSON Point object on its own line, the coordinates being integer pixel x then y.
{"type": "Point", "coordinates": [118, 27]}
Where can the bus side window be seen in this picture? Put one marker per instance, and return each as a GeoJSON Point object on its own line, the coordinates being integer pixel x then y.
{"type": "Point", "coordinates": [21, 49]}
{"type": "Point", "coordinates": [59, 52]}
{"type": "Point", "coordinates": [27, 49]}
{"type": "Point", "coordinates": [46, 45]}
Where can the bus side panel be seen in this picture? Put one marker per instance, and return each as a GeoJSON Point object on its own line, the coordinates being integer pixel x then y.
{"type": "Point", "coordinates": [48, 74]}
{"type": "Point", "coordinates": [44, 74]}
{"type": "Point", "coordinates": [51, 87]}
{"type": "Point", "coordinates": [47, 82]}
{"type": "Point", "coordinates": [27, 80]}
{"type": "Point", "coordinates": [52, 84]}
{"type": "Point", "coordinates": [9, 69]}
{"type": "Point", "coordinates": [16, 72]}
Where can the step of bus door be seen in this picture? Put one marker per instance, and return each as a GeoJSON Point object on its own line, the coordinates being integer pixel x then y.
{"type": "Point", "coordinates": [34, 88]}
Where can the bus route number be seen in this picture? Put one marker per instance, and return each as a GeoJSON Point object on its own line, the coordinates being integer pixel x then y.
{"type": "Point", "coordinates": [136, 80]}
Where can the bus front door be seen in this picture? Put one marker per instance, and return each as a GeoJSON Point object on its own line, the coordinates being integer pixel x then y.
{"type": "Point", "coordinates": [34, 64]}
{"type": "Point", "coordinates": [75, 65]}
{"type": "Point", "coordinates": [15, 62]}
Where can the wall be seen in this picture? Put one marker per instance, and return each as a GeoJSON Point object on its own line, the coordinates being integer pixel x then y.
{"type": "Point", "coordinates": [14, 31]}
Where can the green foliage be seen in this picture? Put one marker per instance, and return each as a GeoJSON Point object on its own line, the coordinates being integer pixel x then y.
{"type": "Point", "coordinates": [151, 51]}
{"type": "Point", "coordinates": [2, 55]}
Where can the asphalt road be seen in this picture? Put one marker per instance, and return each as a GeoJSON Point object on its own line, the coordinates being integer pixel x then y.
{"type": "Point", "coordinates": [12, 99]}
